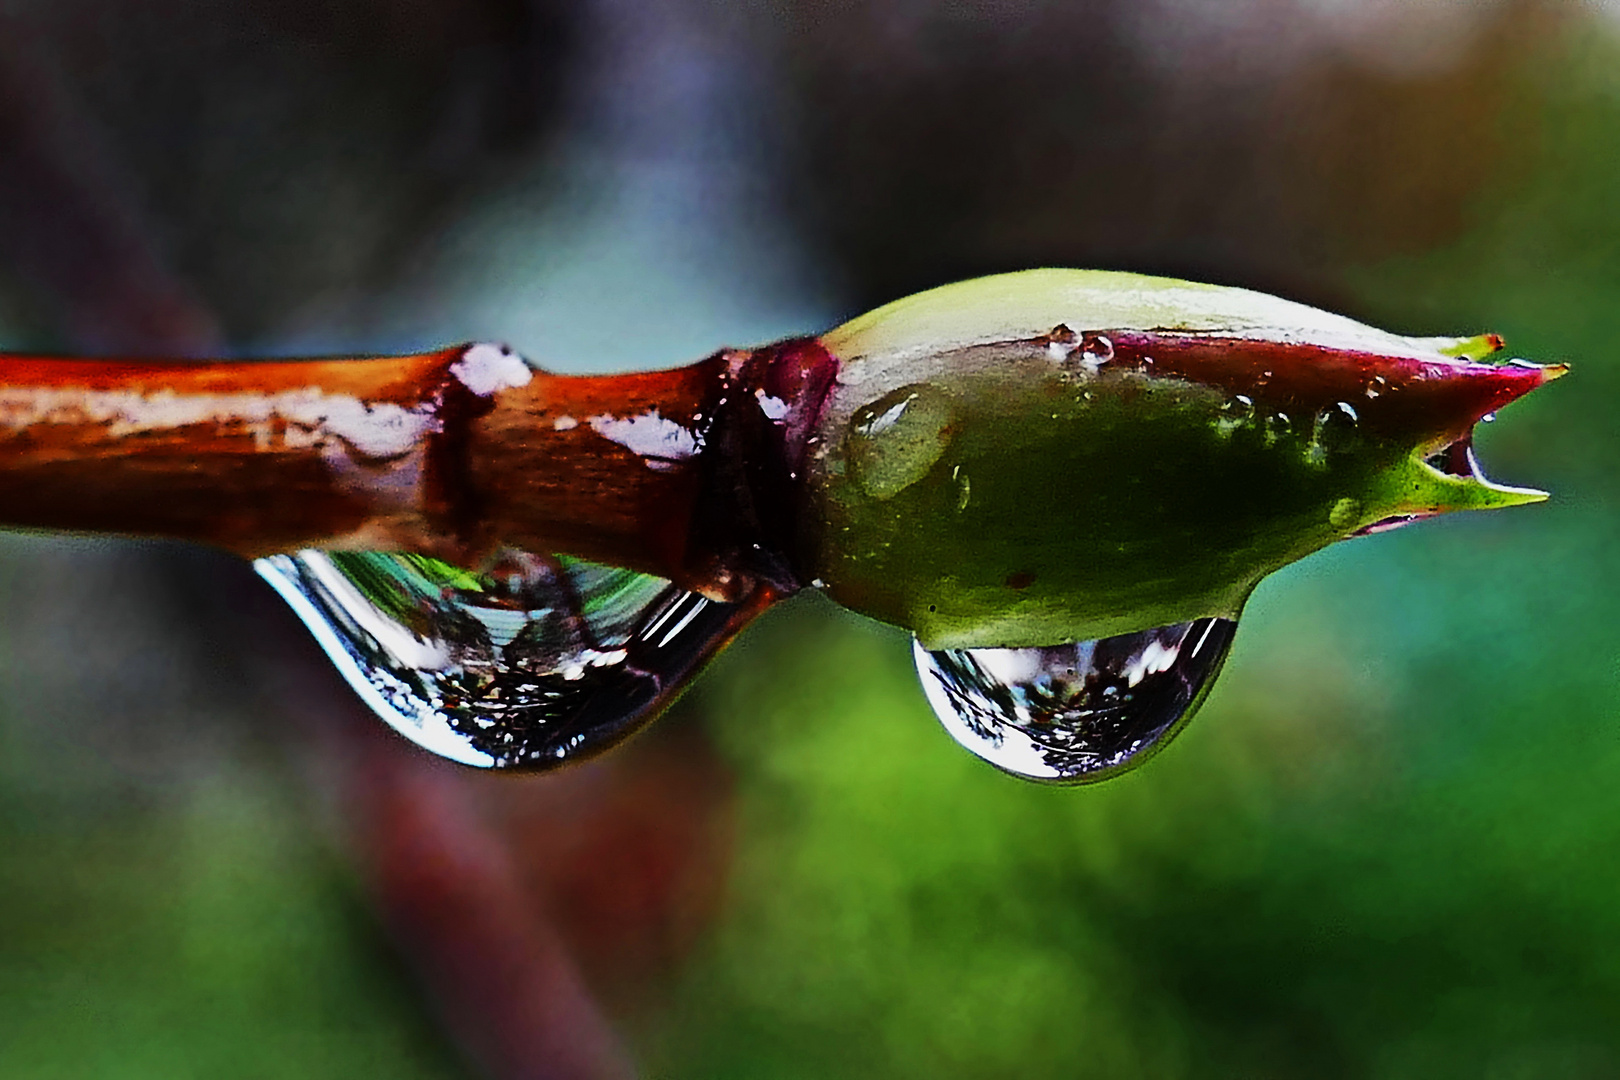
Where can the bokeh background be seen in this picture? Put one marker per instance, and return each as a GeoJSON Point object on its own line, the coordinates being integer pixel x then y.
{"type": "Point", "coordinates": [1388, 847]}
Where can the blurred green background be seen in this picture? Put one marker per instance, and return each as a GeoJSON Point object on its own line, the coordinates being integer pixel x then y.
{"type": "Point", "coordinates": [1388, 846]}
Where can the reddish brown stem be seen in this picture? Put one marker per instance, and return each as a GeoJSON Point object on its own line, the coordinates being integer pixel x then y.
{"type": "Point", "coordinates": [454, 453]}
{"type": "Point", "coordinates": [548, 476]}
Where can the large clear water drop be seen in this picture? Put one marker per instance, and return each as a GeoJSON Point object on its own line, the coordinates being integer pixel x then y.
{"type": "Point", "coordinates": [527, 663]}
{"type": "Point", "coordinates": [1080, 712]}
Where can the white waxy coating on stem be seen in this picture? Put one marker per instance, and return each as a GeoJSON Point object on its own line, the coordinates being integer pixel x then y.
{"type": "Point", "coordinates": [486, 368]}
{"type": "Point", "coordinates": [307, 416]}
{"type": "Point", "coordinates": [774, 408]}
{"type": "Point", "coordinates": [647, 434]}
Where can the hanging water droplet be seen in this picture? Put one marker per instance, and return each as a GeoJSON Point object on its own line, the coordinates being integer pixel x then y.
{"type": "Point", "coordinates": [1080, 712]}
{"type": "Point", "coordinates": [1488, 418]}
{"type": "Point", "coordinates": [528, 663]}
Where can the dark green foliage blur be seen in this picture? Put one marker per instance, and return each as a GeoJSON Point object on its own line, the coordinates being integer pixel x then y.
{"type": "Point", "coordinates": [213, 939]}
{"type": "Point", "coordinates": [1388, 847]}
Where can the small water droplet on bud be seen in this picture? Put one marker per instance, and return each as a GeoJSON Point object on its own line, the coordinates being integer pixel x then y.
{"type": "Point", "coordinates": [1334, 430]}
{"type": "Point", "coordinates": [1236, 413]}
{"type": "Point", "coordinates": [1061, 342]}
{"type": "Point", "coordinates": [896, 440]}
{"type": "Point", "coordinates": [1096, 350]}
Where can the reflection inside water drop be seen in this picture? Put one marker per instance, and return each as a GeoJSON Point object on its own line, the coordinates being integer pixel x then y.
{"type": "Point", "coordinates": [1096, 350]}
{"type": "Point", "coordinates": [1333, 431]}
{"type": "Point", "coordinates": [528, 663]}
{"type": "Point", "coordinates": [1080, 712]}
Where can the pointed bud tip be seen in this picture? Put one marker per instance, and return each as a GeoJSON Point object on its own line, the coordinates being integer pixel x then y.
{"type": "Point", "coordinates": [1500, 496]}
{"type": "Point", "coordinates": [1436, 492]}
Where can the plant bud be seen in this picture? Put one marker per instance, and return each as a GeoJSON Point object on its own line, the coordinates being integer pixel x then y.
{"type": "Point", "coordinates": [1060, 456]}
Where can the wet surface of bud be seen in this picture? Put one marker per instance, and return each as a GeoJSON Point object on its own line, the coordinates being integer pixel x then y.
{"type": "Point", "coordinates": [1138, 451]}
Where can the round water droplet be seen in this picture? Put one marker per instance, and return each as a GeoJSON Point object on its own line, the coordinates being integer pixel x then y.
{"type": "Point", "coordinates": [527, 664]}
{"type": "Point", "coordinates": [1279, 425]}
{"type": "Point", "coordinates": [897, 439]}
{"type": "Point", "coordinates": [1075, 713]}
{"type": "Point", "coordinates": [1340, 418]}
{"type": "Point", "coordinates": [1236, 413]}
{"type": "Point", "coordinates": [1334, 430]}
{"type": "Point", "coordinates": [1061, 342]}
{"type": "Point", "coordinates": [1096, 350]}
{"type": "Point", "coordinates": [1488, 418]}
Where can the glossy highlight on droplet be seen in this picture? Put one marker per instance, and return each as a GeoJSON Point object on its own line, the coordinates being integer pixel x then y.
{"type": "Point", "coordinates": [1236, 413]}
{"type": "Point", "coordinates": [1096, 350]}
{"type": "Point", "coordinates": [529, 663]}
{"type": "Point", "coordinates": [895, 441]}
{"type": "Point", "coordinates": [1077, 713]}
{"type": "Point", "coordinates": [1333, 431]}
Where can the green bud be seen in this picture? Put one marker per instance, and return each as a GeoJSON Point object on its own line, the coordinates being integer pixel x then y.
{"type": "Point", "coordinates": [1065, 455]}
